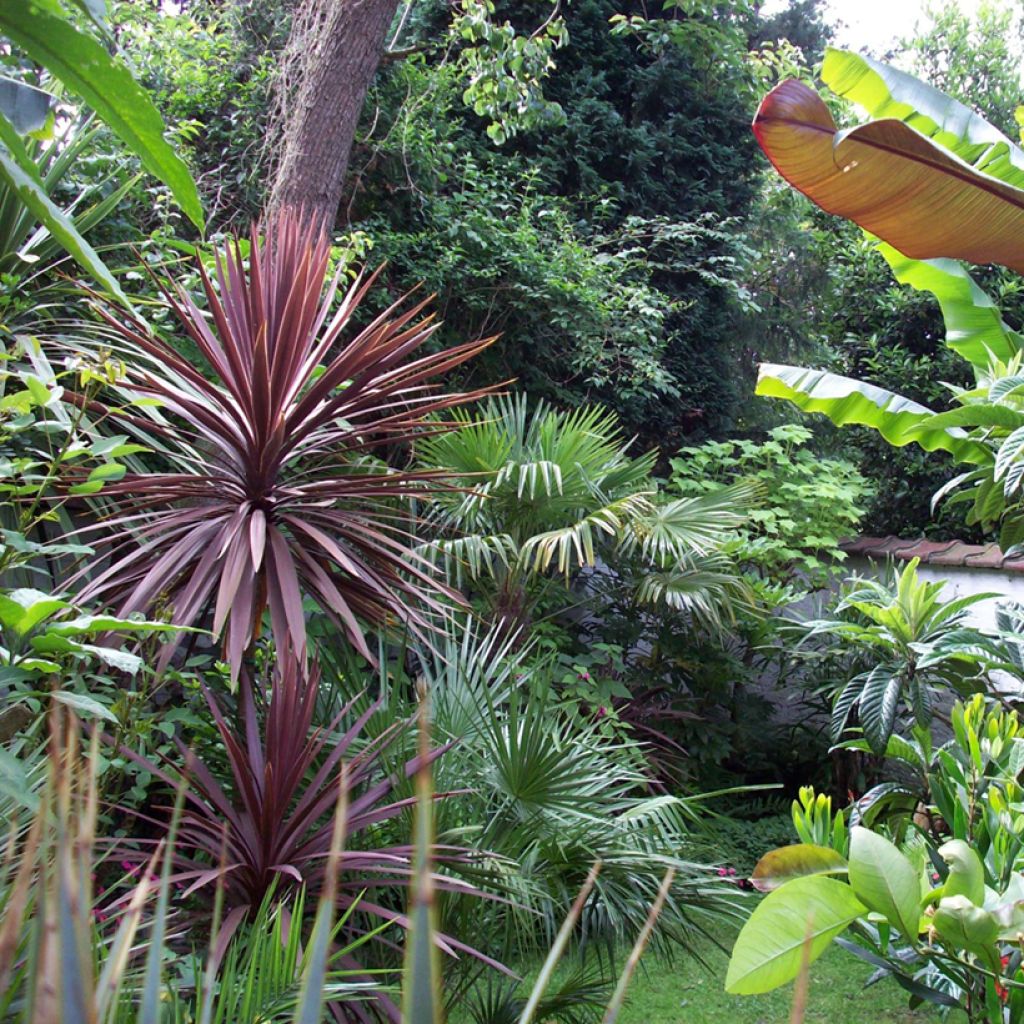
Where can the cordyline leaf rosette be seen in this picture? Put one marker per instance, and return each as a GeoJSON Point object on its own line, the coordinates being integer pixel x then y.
{"type": "Point", "coordinates": [270, 830]}
{"type": "Point", "coordinates": [274, 492]}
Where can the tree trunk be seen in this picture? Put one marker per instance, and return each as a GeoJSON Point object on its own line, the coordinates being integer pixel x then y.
{"type": "Point", "coordinates": [332, 55]}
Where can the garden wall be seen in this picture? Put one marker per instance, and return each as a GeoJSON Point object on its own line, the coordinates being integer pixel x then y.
{"type": "Point", "coordinates": [964, 568]}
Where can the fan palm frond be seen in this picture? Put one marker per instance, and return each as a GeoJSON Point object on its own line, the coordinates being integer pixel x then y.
{"type": "Point", "coordinates": [705, 589]}
{"type": "Point", "coordinates": [676, 530]}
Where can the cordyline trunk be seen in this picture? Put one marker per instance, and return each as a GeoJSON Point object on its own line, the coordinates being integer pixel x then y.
{"type": "Point", "coordinates": [332, 56]}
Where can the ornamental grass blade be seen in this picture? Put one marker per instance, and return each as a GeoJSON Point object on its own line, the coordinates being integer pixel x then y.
{"type": "Point", "coordinates": [421, 976]}
{"type": "Point", "coordinates": [892, 180]}
{"type": "Point", "coordinates": [150, 1005]}
{"type": "Point", "coordinates": [558, 946]}
{"type": "Point", "coordinates": [619, 995]}
{"type": "Point", "coordinates": [309, 1009]}
{"type": "Point", "coordinates": [802, 986]}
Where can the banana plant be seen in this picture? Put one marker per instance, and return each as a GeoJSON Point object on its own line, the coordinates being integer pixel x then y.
{"type": "Point", "coordinates": [936, 183]}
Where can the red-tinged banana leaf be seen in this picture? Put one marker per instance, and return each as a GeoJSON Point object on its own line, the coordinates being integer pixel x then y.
{"type": "Point", "coordinates": [974, 328]}
{"type": "Point", "coordinates": [884, 92]}
{"type": "Point", "coordinates": [892, 180]}
{"type": "Point", "coordinates": [844, 401]}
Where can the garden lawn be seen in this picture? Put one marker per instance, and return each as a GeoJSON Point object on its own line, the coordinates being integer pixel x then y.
{"type": "Point", "coordinates": [686, 993]}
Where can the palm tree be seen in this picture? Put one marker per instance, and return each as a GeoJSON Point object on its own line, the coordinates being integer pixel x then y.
{"type": "Point", "coordinates": [550, 492]}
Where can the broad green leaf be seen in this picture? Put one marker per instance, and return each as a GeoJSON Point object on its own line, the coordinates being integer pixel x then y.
{"type": "Point", "coordinates": [974, 328]}
{"type": "Point", "coordinates": [108, 471]}
{"type": "Point", "coordinates": [987, 415]}
{"type": "Point", "coordinates": [84, 705]}
{"type": "Point", "coordinates": [21, 175]}
{"type": "Point", "coordinates": [114, 446]}
{"type": "Point", "coordinates": [1009, 453]}
{"type": "Point", "coordinates": [86, 624]}
{"type": "Point", "coordinates": [796, 861]}
{"type": "Point", "coordinates": [106, 84]}
{"type": "Point", "coordinates": [769, 950]}
{"type": "Point", "coordinates": [886, 92]}
{"type": "Point", "coordinates": [37, 665]}
{"type": "Point", "coordinates": [966, 874]}
{"type": "Point", "coordinates": [25, 106]}
{"type": "Point", "coordinates": [41, 394]}
{"type": "Point", "coordinates": [52, 643]}
{"type": "Point", "coordinates": [877, 706]}
{"type": "Point", "coordinates": [845, 400]}
{"type": "Point", "coordinates": [35, 606]}
{"type": "Point", "coordinates": [885, 881]}
{"type": "Point", "coordinates": [965, 926]}
{"type": "Point", "coordinates": [893, 181]}
{"type": "Point", "coordinates": [14, 781]}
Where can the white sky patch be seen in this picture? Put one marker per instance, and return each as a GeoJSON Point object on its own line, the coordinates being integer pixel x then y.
{"type": "Point", "coordinates": [874, 25]}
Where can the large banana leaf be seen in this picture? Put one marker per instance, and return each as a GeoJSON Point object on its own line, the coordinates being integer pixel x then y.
{"type": "Point", "coordinates": [885, 92]}
{"type": "Point", "coordinates": [106, 84]}
{"type": "Point", "coordinates": [845, 400]}
{"type": "Point", "coordinates": [974, 328]}
{"type": "Point", "coordinates": [893, 181]}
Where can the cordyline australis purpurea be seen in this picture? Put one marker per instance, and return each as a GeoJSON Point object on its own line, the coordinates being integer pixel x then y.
{"type": "Point", "coordinates": [273, 493]}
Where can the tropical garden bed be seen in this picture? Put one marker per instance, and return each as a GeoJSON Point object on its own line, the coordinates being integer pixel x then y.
{"type": "Point", "coordinates": [361, 663]}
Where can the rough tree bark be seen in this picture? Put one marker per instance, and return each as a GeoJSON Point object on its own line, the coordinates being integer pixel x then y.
{"type": "Point", "coordinates": [332, 55]}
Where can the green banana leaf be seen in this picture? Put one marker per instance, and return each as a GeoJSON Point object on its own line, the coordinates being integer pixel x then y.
{"type": "Point", "coordinates": [845, 400]}
{"type": "Point", "coordinates": [885, 92]}
{"type": "Point", "coordinates": [974, 328]}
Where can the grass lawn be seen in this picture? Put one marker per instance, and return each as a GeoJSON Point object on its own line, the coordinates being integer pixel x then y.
{"type": "Point", "coordinates": [686, 993]}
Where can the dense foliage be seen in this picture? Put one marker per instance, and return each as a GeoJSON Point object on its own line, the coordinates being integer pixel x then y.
{"type": "Point", "coordinates": [392, 601]}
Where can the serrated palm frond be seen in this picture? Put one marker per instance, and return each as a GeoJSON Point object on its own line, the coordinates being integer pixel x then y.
{"type": "Point", "coordinates": [575, 545]}
{"type": "Point", "coordinates": [677, 530]}
{"type": "Point", "coordinates": [705, 589]}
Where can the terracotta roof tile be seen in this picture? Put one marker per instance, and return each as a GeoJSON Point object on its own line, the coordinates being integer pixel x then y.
{"type": "Point", "coordinates": [925, 549]}
{"type": "Point", "coordinates": [944, 552]}
{"type": "Point", "coordinates": [986, 556]}
{"type": "Point", "coordinates": [859, 545]}
{"type": "Point", "coordinates": [890, 547]}
{"type": "Point", "coordinates": [956, 554]}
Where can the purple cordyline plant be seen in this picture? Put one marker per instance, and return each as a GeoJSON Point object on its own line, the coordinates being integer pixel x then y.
{"type": "Point", "coordinates": [270, 828]}
{"type": "Point", "coordinates": [273, 492]}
